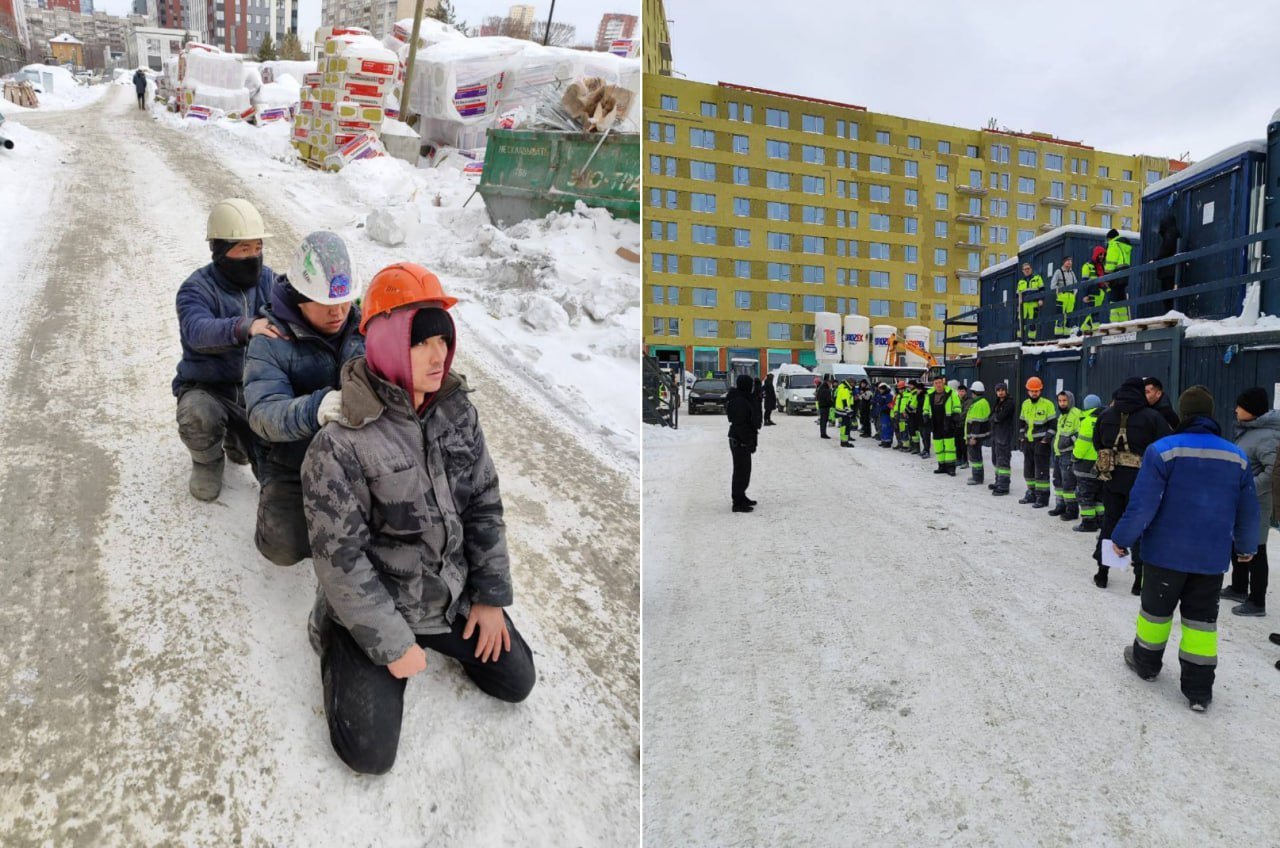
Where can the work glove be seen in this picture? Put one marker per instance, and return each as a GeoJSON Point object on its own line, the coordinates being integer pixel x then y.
{"type": "Point", "coordinates": [330, 408]}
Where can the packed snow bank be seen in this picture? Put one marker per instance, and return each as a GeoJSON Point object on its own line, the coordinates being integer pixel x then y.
{"type": "Point", "coordinates": [56, 89]}
{"type": "Point", "coordinates": [551, 300]}
{"type": "Point", "coordinates": [29, 179]}
{"type": "Point", "coordinates": [943, 647]}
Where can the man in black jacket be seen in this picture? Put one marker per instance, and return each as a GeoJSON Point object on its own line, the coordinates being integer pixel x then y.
{"type": "Point", "coordinates": [770, 400]}
{"type": "Point", "coordinates": [864, 408]}
{"type": "Point", "coordinates": [1143, 425]}
{"type": "Point", "coordinates": [1004, 426]}
{"type": "Point", "coordinates": [823, 395]}
{"type": "Point", "coordinates": [1159, 401]}
{"type": "Point", "coordinates": [743, 410]}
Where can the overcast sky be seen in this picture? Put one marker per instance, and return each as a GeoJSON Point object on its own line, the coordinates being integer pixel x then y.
{"type": "Point", "coordinates": [1124, 76]}
{"type": "Point", "coordinates": [583, 14]}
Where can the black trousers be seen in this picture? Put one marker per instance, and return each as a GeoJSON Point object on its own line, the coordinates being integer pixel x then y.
{"type": "Point", "coordinates": [1114, 505]}
{"type": "Point", "coordinates": [741, 470]}
{"type": "Point", "coordinates": [364, 703]}
{"type": "Point", "coordinates": [1196, 597]}
{"type": "Point", "coordinates": [1001, 460]}
{"type": "Point", "coordinates": [1251, 577]}
{"type": "Point", "coordinates": [209, 420]}
{"type": "Point", "coordinates": [1037, 459]}
{"type": "Point", "coordinates": [281, 534]}
{"type": "Point", "coordinates": [824, 412]}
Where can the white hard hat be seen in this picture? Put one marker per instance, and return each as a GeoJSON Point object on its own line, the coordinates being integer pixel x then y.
{"type": "Point", "coordinates": [235, 219]}
{"type": "Point", "coordinates": [954, 384]}
{"type": "Point", "coordinates": [977, 386]}
{"type": "Point", "coordinates": [322, 269]}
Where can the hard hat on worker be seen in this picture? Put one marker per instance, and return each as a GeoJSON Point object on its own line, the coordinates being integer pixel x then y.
{"type": "Point", "coordinates": [322, 269]}
{"type": "Point", "coordinates": [402, 284]}
{"type": "Point", "coordinates": [235, 219]}
{"type": "Point", "coordinates": [1034, 384]}
{"type": "Point", "coordinates": [977, 386]}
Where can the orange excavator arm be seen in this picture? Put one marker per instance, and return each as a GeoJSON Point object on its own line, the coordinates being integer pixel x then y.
{"type": "Point", "coordinates": [896, 346]}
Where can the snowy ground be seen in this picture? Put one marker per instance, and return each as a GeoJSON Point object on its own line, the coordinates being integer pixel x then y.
{"type": "Point", "coordinates": [156, 686]}
{"type": "Point", "coordinates": [66, 94]}
{"type": "Point", "coordinates": [881, 656]}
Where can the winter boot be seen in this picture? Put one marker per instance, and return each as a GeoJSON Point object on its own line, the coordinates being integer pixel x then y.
{"type": "Point", "coordinates": [1136, 589]}
{"type": "Point", "coordinates": [991, 485]}
{"type": "Point", "coordinates": [233, 451]}
{"type": "Point", "coordinates": [1042, 499]}
{"type": "Point", "coordinates": [1250, 609]}
{"type": "Point", "coordinates": [976, 481]}
{"type": "Point", "coordinates": [1072, 512]}
{"type": "Point", "coordinates": [998, 491]}
{"type": "Point", "coordinates": [1100, 579]}
{"type": "Point", "coordinates": [950, 468]}
{"type": "Point", "coordinates": [941, 469]}
{"type": "Point", "coordinates": [1132, 662]}
{"type": "Point", "coordinates": [1058, 508]}
{"type": "Point", "coordinates": [206, 479]}
{"type": "Point", "coordinates": [1231, 593]}
{"type": "Point", "coordinates": [1029, 497]}
{"type": "Point", "coordinates": [1087, 525]}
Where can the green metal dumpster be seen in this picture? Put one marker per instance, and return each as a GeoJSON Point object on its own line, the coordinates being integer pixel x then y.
{"type": "Point", "coordinates": [529, 173]}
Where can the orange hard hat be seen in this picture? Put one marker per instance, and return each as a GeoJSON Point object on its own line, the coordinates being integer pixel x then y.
{"type": "Point", "coordinates": [1034, 384]}
{"type": "Point", "coordinates": [902, 384]}
{"type": "Point", "coordinates": [402, 284]}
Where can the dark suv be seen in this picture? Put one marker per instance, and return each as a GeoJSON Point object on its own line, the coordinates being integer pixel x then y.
{"type": "Point", "coordinates": [708, 393]}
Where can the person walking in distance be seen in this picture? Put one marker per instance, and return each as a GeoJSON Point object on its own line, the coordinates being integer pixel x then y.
{"type": "Point", "coordinates": [1125, 430]}
{"type": "Point", "coordinates": [1084, 456]}
{"type": "Point", "coordinates": [1064, 476]}
{"type": "Point", "coordinates": [140, 87]}
{"type": "Point", "coordinates": [1039, 418]}
{"type": "Point", "coordinates": [1192, 504]}
{"type": "Point", "coordinates": [977, 427]}
{"type": "Point", "coordinates": [1004, 428]}
{"type": "Point", "coordinates": [1257, 434]}
{"type": "Point", "coordinates": [824, 397]}
{"type": "Point", "coordinates": [770, 400]}
{"type": "Point", "coordinates": [743, 412]}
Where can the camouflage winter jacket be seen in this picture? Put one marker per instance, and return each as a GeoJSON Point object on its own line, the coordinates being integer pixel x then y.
{"type": "Point", "coordinates": [404, 515]}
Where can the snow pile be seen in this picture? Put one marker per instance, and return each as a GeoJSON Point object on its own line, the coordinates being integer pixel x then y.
{"type": "Point", "coordinates": [272, 71]}
{"type": "Point", "coordinates": [56, 89]}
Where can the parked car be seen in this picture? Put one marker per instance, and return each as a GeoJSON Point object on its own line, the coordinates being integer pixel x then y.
{"type": "Point", "coordinates": [707, 393]}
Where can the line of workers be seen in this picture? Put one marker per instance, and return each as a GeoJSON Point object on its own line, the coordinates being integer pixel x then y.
{"type": "Point", "coordinates": [1117, 255]}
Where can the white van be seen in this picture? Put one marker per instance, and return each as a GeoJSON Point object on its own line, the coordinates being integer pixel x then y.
{"type": "Point", "coordinates": [794, 385]}
{"type": "Point", "coordinates": [841, 371]}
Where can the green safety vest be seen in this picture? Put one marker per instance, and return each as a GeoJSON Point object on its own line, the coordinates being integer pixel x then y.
{"type": "Point", "coordinates": [1084, 448]}
{"type": "Point", "coordinates": [950, 406]}
{"type": "Point", "coordinates": [979, 412]}
{"type": "Point", "coordinates": [1118, 255]}
{"type": "Point", "coordinates": [1039, 415]}
{"type": "Point", "coordinates": [844, 397]}
{"type": "Point", "coordinates": [1068, 425]}
{"type": "Point", "coordinates": [1088, 271]}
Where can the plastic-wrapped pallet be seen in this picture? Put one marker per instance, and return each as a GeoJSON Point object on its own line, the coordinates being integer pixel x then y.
{"type": "Point", "coordinates": [363, 146]}
{"type": "Point", "coordinates": [277, 101]}
{"type": "Point", "coordinates": [217, 70]}
{"type": "Point", "coordinates": [221, 99]}
{"type": "Point", "coordinates": [341, 102]}
{"type": "Point", "coordinates": [539, 71]}
{"type": "Point", "coordinates": [463, 80]}
{"type": "Point", "coordinates": [272, 71]}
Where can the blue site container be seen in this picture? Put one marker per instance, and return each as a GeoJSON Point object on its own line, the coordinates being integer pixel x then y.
{"type": "Point", "coordinates": [1215, 200]}
{"type": "Point", "coordinates": [1059, 370]}
{"type": "Point", "coordinates": [998, 303]}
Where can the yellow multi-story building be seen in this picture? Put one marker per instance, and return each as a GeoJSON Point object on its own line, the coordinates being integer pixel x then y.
{"type": "Point", "coordinates": [761, 208]}
{"type": "Point", "coordinates": [656, 39]}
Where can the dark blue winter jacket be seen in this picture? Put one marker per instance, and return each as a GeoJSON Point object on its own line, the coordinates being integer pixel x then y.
{"type": "Point", "coordinates": [285, 379]}
{"type": "Point", "coordinates": [1193, 498]}
{"type": "Point", "coordinates": [213, 322]}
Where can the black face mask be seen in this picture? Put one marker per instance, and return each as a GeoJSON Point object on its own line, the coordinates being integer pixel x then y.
{"type": "Point", "coordinates": [242, 273]}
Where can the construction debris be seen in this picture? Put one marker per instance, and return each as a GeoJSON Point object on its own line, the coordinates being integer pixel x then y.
{"type": "Point", "coordinates": [21, 94]}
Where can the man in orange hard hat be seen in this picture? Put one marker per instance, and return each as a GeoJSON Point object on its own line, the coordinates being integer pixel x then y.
{"type": "Point", "coordinates": [1039, 417]}
{"type": "Point", "coordinates": [405, 520]}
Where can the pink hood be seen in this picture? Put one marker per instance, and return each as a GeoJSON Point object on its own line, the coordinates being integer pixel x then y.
{"type": "Point", "coordinates": [386, 349]}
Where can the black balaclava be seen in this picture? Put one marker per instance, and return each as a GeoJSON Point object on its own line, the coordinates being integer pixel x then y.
{"type": "Point", "coordinates": [241, 273]}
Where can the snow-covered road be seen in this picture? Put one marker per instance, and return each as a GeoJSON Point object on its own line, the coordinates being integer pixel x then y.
{"type": "Point", "coordinates": [156, 685]}
{"type": "Point", "coordinates": [881, 656]}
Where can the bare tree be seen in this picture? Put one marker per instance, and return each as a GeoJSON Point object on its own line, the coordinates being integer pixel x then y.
{"type": "Point", "coordinates": [291, 49]}
{"type": "Point", "coordinates": [510, 27]}
{"type": "Point", "coordinates": [562, 35]}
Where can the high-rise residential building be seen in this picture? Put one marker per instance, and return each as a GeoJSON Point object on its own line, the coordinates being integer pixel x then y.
{"type": "Point", "coordinates": [522, 15]}
{"type": "Point", "coordinates": [656, 39]}
{"type": "Point", "coordinates": [100, 32]}
{"type": "Point", "coordinates": [13, 21]}
{"type": "Point", "coordinates": [377, 16]}
{"type": "Point", "coordinates": [762, 208]}
{"type": "Point", "coordinates": [614, 25]}
{"type": "Point", "coordinates": [67, 5]}
{"type": "Point", "coordinates": [240, 26]}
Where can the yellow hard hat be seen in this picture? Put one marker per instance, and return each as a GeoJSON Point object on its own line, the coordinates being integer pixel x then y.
{"type": "Point", "coordinates": [235, 219]}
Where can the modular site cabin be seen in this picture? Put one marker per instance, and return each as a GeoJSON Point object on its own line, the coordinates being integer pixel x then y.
{"type": "Point", "coordinates": [1203, 292]}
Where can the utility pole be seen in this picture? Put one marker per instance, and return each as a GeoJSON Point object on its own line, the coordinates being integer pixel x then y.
{"type": "Point", "coordinates": [408, 65]}
{"type": "Point", "coordinates": [546, 36]}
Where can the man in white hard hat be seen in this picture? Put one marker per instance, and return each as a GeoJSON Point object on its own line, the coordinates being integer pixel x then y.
{"type": "Point", "coordinates": [217, 315]}
{"type": "Point", "coordinates": [291, 382]}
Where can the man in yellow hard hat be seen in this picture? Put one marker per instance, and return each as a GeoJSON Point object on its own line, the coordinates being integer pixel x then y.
{"type": "Point", "coordinates": [217, 315]}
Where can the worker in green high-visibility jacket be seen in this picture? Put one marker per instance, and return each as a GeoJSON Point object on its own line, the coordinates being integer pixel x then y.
{"type": "Point", "coordinates": [977, 427]}
{"type": "Point", "coordinates": [1029, 309]}
{"type": "Point", "coordinates": [1119, 256]}
{"type": "Point", "coordinates": [1064, 477]}
{"type": "Point", "coordinates": [942, 417]}
{"type": "Point", "coordinates": [1084, 456]}
{"type": "Point", "coordinates": [1039, 417]}
{"type": "Point", "coordinates": [844, 410]}
{"type": "Point", "coordinates": [1093, 294]}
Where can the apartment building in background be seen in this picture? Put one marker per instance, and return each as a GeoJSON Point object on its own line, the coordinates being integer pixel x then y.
{"type": "Point", "coordinates": [101, 33]}
{"type": "Point", "coordinates": [762, 208]}
{"type": "Point", "coordinates": [377, 16]}
{"type": "Point", "coordinates": [655, 39]}
{"type": "Point", "coordinates": [614, 25]}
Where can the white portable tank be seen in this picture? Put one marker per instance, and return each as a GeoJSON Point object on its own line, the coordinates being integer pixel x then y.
{"type": "Point", "coordinates": [917, 333]}
{"type": "Point", "coordinates": [826, 336]}
{"type": "Point", "coordinates": [857, 339]}
{"type": "Point", "coordinates": [880, 334]}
